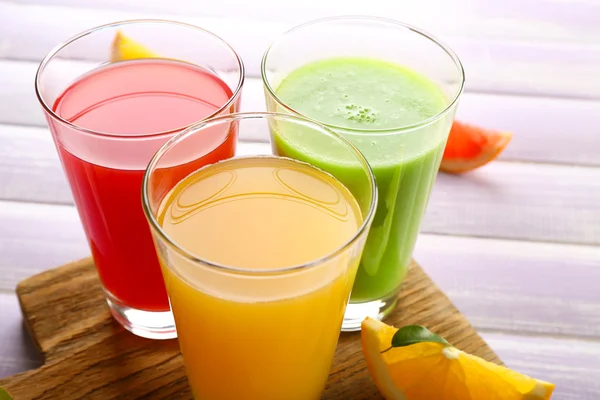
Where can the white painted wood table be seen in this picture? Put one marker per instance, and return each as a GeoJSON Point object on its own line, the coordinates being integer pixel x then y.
{"type": "Point", "coordinates": [516, 244]}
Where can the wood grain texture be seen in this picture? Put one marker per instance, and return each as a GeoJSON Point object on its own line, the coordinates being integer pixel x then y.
{"type": "Point", "coordinates": [36, 237]}
{"type": "Point", "coordinates": [518, 287]}
{"type": "Point", "coordinates": [527, 62]}
{"type": "Point", "coordinates": [548, 20]}
{"type": "Point", "coordinates": [87, 355]}
{"type": "Point", "coordinates": [545, 130]}
{"type": "Point", "coordinates": [16, 352]}
{"type": "Point", "coordinates": [518, 201]}
{"type": "Point", "coordinates": [29, 168]}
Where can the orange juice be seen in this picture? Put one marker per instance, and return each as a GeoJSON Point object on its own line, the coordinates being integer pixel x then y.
{"type": "Point", "coordinates": [250, 330]}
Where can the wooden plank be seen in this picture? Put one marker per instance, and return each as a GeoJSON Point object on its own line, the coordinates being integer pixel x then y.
{"type": "Point", "coordinates": [29, 166]}
{"type": "Point", "coordinates": [547, 130]}
{"type": "Point", "coordinates": [16, 351]}
{"type": "Point", "coordinates": [538, 288]}
{"type": "Point", "coordinates": [493, 63]}
{"type": "Point", "coordinates": [50, 25]}
{"type": "Point", "coordinates": [35, 237]}
{"type": "Point", "coordinates": [547, 202]}
{"type": "Point", "coordinates": [523, 287]}
{"type": "Point", "coordinates": [572, 365]}
{"type": "Point", "coordinates": [555, 130]}
{"type": "Point", "coordinates": [84, 353]}
{"type": "Point", "coordinates": [542, 20]}
{"type": "Point", "coordinates": [518, 201]}
{"type": "Point", "coordinates": [20, 105]}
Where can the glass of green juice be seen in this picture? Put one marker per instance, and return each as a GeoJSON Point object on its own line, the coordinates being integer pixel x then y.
{"type": "Point", "coordinates": [392, 90]}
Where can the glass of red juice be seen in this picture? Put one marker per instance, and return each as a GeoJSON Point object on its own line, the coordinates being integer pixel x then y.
{"type": "Point", "coordinates": [108, 117]}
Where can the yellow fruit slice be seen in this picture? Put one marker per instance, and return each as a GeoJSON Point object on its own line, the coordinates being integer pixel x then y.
{"type": "Point", "coordinates": [125, 48]}
{"type": "Point", "coordinates": [428, 371]}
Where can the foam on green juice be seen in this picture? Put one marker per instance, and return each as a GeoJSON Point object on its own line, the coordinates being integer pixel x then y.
{"type": "Point", "coordinates": [361, 93]}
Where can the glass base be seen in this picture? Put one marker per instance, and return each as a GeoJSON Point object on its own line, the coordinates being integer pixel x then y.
{"type": "Point", "coordinates": [377, 309]}
{"type": "Point", "coordinates": [147, 324]}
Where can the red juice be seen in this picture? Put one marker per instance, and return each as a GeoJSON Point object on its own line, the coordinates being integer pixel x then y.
{"type": "Point", "coordinates": [138, 105]}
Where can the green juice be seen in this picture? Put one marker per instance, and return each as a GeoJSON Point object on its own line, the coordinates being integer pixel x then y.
{"type": "Point", "coordinates": [367, 100]}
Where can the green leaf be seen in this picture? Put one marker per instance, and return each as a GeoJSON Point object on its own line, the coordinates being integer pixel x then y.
{"type": "Point", "coordinates": [4, 395]}
{"type": "Point", "coordinates": [412, 334]}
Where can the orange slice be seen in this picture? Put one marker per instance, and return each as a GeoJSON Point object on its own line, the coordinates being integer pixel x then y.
{"type": "Point", "coordinates": [428, 371]}
{"type": "Point", "coordinates": [470, 147]}
{"type": "Point", "coordinates": [125, 48]}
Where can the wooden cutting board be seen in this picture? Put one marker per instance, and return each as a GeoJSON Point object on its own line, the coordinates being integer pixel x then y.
{"type": "Point", "coordinates": [89, 356]}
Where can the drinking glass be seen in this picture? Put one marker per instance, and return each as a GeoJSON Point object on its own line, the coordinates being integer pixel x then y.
{"type": "Point", "coordinates": [405, 159]}
{"type": "Point", "coordinates": [108, 117]}
{"type": "Point", "coordinates": [246, 329]}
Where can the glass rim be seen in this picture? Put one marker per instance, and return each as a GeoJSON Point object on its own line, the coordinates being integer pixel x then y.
{"type": "Point", "coordinates": [171, 143]}
{"type": "Point", "coordinates": [387, 131]}
{"type": "Point", "coordinates": [52, 53]}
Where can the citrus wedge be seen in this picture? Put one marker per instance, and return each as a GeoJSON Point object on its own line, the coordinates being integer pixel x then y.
{"type": "Point", "coordinates": [470, 147]}
{"type": "Point", "coordinates": [125, 48]}
{"type": "Point", "coordinates": [435, 371]}
{"type": "Point", "coordinates": [4, 395]}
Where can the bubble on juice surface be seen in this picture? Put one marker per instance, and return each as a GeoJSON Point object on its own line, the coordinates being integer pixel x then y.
{"type": "Point", "coordinates": [360, 114]}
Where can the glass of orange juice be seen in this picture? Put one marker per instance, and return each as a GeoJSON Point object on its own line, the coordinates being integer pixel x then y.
{"type": "Point", "coordinates": [259, 253]}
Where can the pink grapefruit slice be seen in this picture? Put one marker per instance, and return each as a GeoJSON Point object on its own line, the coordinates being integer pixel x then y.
{"type": "Point", "coordinates": [470, 147]}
